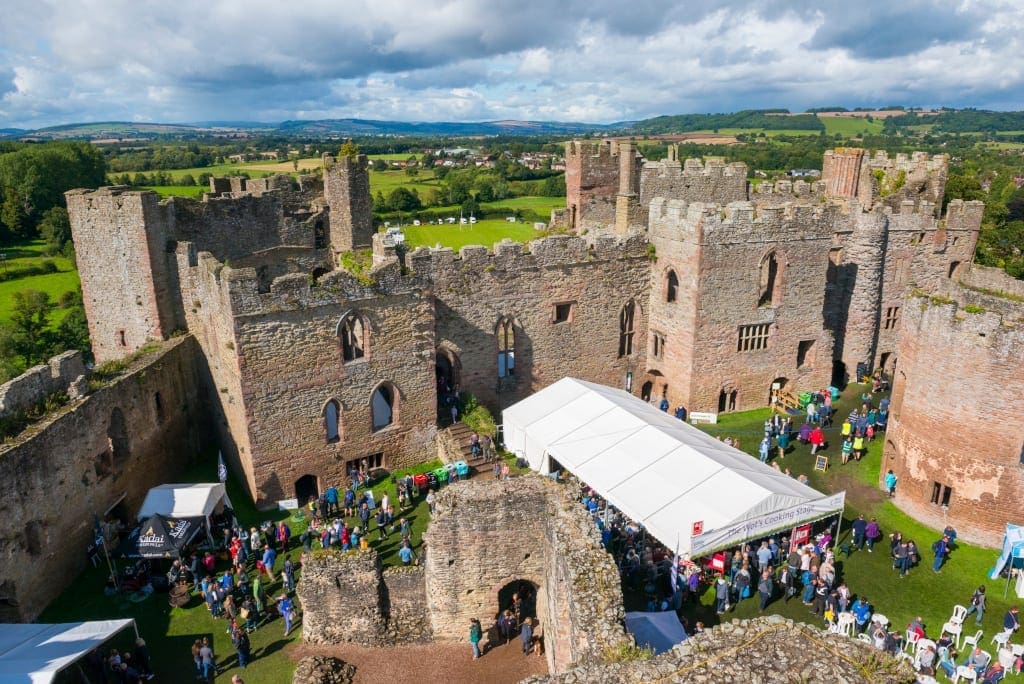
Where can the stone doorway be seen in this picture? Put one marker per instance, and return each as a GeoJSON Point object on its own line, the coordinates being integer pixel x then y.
{"type": "Point", "coordinates": [306, 487]}
{"type": "Point", "coordinates": [777, 385]}
{"type": "Point", "coordinates": [448, 369]}
{"type": "Point", "coordinates": [645, 391]}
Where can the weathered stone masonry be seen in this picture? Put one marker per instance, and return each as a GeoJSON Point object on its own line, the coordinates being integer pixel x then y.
{"type": "Point", "coordinates": [138, 431]}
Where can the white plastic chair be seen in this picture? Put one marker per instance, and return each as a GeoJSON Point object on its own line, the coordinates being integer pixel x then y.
{"type": "Point", "coordinates": [845, 624]}
{"type": "Point", "coordinates": [1002, 638]}
{"type": "Point", "coordinates": [880, 619]}
{"type": "Point", "coordinates": [1007, 659]}
{"type": "Point", "coordinates": [954, 629]}
{"type": "Point", "coordinates": [923, 644]}
{"type": "Point", "coordinates": [973, 640]}
{"type": "Point", "coordinates": [959, 615]}
{"type": "Point", "coordinates": [964, 672]}
{"type": "Point", "coordinates": [911, 639]}
{"type": "Point", "coordinates": [865, 638]}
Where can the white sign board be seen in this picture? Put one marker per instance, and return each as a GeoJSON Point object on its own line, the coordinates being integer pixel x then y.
{"type": "Point", "coordinates": [780, 520]}
{"type": "Point", "coordinates": [288, 505]}
{"type": "Point", "coordinates": [696, 417]}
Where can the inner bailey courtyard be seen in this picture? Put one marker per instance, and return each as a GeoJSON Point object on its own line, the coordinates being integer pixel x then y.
{"type": "Point", "coordinates": [679, 280]}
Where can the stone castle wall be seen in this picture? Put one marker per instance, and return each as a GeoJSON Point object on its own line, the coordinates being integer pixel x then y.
{"type": "Point", "coordinates": [768, 649]}
{"type": "Point", "coordinates": [350, 599]}
{"type": "Point", "coordinates": [959, 366]}
{"type": "Point", "coordinates": [39, 382]}
{"type": "Point", "coordinates": [138, 431]}
{"type": "Point", "coordinates": [487, 534]}
{"type": "Point", "coordinates": [712, 181]}
{"type": "Point", "coordinates": [720, 255]}
{"type": "Point", "coordinates": [347, 191]}
{"type": "Point", "coordinates": [475, 289]}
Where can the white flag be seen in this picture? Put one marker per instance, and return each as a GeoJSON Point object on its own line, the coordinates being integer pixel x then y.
{"type": "Point", "coordinates": [222, 470]}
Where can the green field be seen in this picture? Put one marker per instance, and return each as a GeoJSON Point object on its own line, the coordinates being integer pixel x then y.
{"type": "Point", "coordinates": [386, 181]}
{"type": "Point", "coordinates": [851, 126]}
{"type": "Point", "coordinates": [54, 284]}
{"type": "Point", "coordinates": [757, 131]}
{"type": "Point", "coordinates": [395, 156]}
{"type": "Point", "coordinates": [485, 232]}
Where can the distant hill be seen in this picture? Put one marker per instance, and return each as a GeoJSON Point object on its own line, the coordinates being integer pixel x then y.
{"type": "Point", "coordinates": [12, 132]}
{"type": "Point", "coordinates": [426, 128]}
{"type": "Point", "coordinates": [768, 119]}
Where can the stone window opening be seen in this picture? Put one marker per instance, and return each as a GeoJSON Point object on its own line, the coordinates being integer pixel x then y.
{"type": "Point", "coordinates": [332, 421]}
{"type": "Point", "coordinates": [384, 406]}
{"type": "Point", "coordinates": [770, 291]}
{"type": "Point", "coordinates": [727, 400]}
{"type": "Point", "coordinates": [352, 333]}
{"type": "Point", "coordinates": [121, 340]}
{"type": "Point", "coordinates": [563, 312]}
{"type": "Point", "coordinates": [159, 405]}
{"type": "Point", "coordinates": [506, 339]}
{"type": "Point", "coordinates": [892, 317]}
{"type": "Point", "coordinates": [805, 354]}
{"type": "Point", "coordinates": [658, 345]}
{"type": "Point", "coordinates": [941, 494]}
{"type": "Point", "coordinates": [671, 286]}
{"type": "Point", "coordinates": [626, 317]}
{"type": "Point", "coordinates": [117, 438]}
{"type": "Point", "coordinates": [835, 260]}
{"type": "Point", "coordinates": [954, 270]}
{"type": "Point", "coordinates": [753, 337]}
{"type": "Point", "coordinates": [365, 463]}
{"type": "Point", "coordinates": [1022, 454]}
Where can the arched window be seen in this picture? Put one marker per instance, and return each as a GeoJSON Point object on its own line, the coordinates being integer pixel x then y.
{"type": "Point", "coordinates": [626, 329]}
{"type": "Point", "coordinates": [382, 407]}
{"type": "Point", "coordinates": [353, 337]}
{"type": "Point", "coordinates": [769, 295]}
{"type": "Point", "coordinates": [671, 286]}
{"type": "Point", "coordinates": [506, 337]}
{"type": "Point", "coordinates": [332, 421]}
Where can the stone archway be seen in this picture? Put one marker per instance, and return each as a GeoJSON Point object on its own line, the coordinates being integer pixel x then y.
{"type": "Point", "coordinates": [448, 369]}
{"type": "Point", "coordinates": [305, 487]}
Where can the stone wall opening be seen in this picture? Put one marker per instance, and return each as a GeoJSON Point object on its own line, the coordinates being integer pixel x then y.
{"type": "Point", "coordinates": [307, 487]}
{"type": "Point", "coordinates": [448, 369]}
{"type": "Point", "coordinates": [117, 434]}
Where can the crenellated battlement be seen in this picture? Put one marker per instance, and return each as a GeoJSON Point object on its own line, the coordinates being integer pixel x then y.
{"type": "Point", "coordinates": [591, 148]}
{"type": "Point", "coordinates": [740, 221]}
{"type": "Point", "coordinates": [800, 189]}
{"type": "Point", "coordinates": [978, 320]}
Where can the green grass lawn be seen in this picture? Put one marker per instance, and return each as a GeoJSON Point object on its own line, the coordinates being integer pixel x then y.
{"type": "Point", "coordinates": [851, 126]}
{"type": "Point", "coordinates": [54, 284]}
{"type": "Point", "coordinates": [922, 592]}
{"type": "Point", "coordinates": [386, 181]}
{"type": "Point", "coordinates": [170, 632]}
{"type": "Point", "coordinates": [395, 156]}
{"type": "Point", "coordinates": [485, 232]}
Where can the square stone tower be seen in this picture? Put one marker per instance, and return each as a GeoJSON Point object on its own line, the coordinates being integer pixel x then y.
{"type": "Point", "coordinates": [347, 191]}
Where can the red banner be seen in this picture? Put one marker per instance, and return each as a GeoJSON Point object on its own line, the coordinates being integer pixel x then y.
{"type": "Point", "coordinates": [801, 535]}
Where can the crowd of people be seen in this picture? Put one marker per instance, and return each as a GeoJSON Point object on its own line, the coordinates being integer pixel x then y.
{"type": "Point", "coordinates": [518, 619]}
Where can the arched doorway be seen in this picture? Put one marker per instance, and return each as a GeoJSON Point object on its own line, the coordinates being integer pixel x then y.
{"type": "Point", "coordinates": [448, 369]}
{"type": "Point", "coordinates": [645, 391]}
{"type": "Point", "coordinates": [526, 592]}
{"type": "Point", "coordinates": [306, 487]}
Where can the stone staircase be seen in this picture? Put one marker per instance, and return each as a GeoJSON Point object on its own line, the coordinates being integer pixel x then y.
{"type": "Point", "coordinates": [453, 445]}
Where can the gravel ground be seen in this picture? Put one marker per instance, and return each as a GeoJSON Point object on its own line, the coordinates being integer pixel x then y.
{"type": "Point", "coordinates": [440, 662]}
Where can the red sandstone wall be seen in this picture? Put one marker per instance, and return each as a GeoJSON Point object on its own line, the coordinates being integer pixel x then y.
{"type": "Point", "coordinates": [955, 418]}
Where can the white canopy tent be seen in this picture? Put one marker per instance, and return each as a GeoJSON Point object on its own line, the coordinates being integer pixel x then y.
{"type": "Point", "coordinates": [186, 501]}
{"type": "Point", "coordinates": [37, 653]}
{"type": "Point", "coordinates": [685, 487]}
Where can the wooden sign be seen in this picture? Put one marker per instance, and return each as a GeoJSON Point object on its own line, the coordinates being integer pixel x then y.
{"type": "Point", "coordinates": [821, 463]}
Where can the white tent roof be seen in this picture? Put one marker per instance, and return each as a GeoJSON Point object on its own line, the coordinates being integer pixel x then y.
{"type": "Point", "coordinates": [183, 500]}
{"type": "Point", "coordinates": [658, 470]}
{"type": "Point", "coordinates": [36, 653]}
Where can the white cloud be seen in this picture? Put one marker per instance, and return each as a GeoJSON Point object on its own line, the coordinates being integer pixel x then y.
{"type": "Point", "coordinates": [596, 60]}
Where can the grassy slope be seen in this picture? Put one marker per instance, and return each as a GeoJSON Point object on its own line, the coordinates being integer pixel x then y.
{"type": "Point", "coordinates": [851, 126]}
{"type": "Point", "coordinates": [486, 233]}
{"type": "Point", "coordinates": [922, 592]}
{"type": "Point", "coordinates": [54, 284]}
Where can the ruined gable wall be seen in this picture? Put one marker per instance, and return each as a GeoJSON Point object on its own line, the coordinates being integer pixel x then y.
{"type": "Point", "coordinates": [958, 368]}
{"type": "Point", "coordinates": [61, 471]}
{"type": "Point", "coordinates": [347, 191]}
{"type": "Point", "coordinates": [735, 243]}
{"type": "Point", "coordinates": [475, 289]}
{"type": "Point", "coordinates": [38, 382]}
{"type": "Point", "coordinates": [290, 365]}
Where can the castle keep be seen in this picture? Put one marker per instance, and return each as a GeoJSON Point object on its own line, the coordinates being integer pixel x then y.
{"type": "Point", "coordinates": [675, 279]}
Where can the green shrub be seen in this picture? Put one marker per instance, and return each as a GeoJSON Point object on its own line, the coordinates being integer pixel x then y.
{"type": "Point", "coordinates": [476, 416]}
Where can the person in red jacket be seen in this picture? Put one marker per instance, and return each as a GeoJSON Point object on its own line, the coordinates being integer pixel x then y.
{"type": "Point", "coordinates": [817, 439]}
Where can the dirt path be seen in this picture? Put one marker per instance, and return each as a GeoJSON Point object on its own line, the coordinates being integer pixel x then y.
{"type": "Point", "coordinates": [438, 662]}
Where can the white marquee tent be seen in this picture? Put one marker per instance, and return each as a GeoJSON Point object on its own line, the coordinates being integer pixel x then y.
{"type": "Point", "coordinates": [685, 487]}
{"type": "Point", "coordinates": [184, 500]}
{"type": "Point", "coordinates": [37, 653]}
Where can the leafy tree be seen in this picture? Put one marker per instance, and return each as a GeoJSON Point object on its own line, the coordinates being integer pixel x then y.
{"type": "Point", "coordinates": [412, 171]}
{"type": "Point", "coordinates": [12, 214]}
{"type": "Point", "coordinates": [30, 340]}
{"type": "Point", "coordinates": [187, 179]}
{"type": "Point", "coordinates": [55, 228]}
{"type": "Point", "coordinates": [349, 149]}
{"type": "Point", "coordinates": [73, 331]}
{"type": "Point", "coordinates": [379, 165]}
{"type": "Point", "coordinates": [470, 207]}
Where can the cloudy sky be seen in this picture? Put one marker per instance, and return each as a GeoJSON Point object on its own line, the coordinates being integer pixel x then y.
{"type": "Point", "coordinates": [471, 60]}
